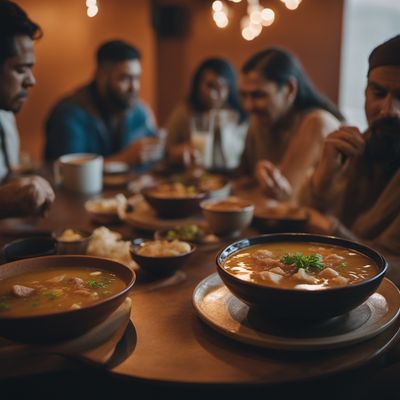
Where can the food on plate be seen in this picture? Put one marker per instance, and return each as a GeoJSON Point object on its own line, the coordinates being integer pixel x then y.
{"type": "Point", "coordinates": [107, 205]}
{"type": "Point", "coordinates": [109, 244]}
{"type": "Point", "coordinates": [70, 235]}
{"type": "Point", "coordinates": [310, 266]}
{"type": "Point", "coordinates": [163, 248]}
{"type": "Point", "coordinates": [190, 232]}
{"type": "Point", "coordinates": [56, 289]}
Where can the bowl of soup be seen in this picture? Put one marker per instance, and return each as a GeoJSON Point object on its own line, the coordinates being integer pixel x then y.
{"type": "Point", "coordinates": [55, 298]}
{"type": "Point", "coordinates": [174, 199]}
{"type": "Point", "coordinates": [295, 276]}
{"type": "Point", "coordinates": [228, 216]}
{"type": "Point", "coordinates": [160, 257]}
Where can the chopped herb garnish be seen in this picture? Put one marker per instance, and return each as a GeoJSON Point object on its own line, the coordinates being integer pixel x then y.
{"type": "Point", "coordinates": [313, 261]}
{"type": "Point", "coordinates": [100, 284]}
{"type": "Point", "coordinates": [4, 306]}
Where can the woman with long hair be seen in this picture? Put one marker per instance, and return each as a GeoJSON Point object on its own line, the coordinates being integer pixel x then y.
{"type": "Point", "coordinates": [213, 99]}
{"type": "Point", "coordinates": [289, 122]}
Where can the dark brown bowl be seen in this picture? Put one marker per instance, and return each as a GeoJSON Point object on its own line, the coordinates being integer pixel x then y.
{"type": "Point", "coordinates": [72, 247]}
{"type": "Point", "coordinates": [274, 220]}
{"type": "Point", "coordinates": [30, 247]}
{"type": "Point", "coordinates": [299, 304]}
{"type": "Point", "coordinates": [174, 207]}
{"type": "Point", "coordinates": [158, 266]}
{"type": "Point", "coordinates": [68, 324]}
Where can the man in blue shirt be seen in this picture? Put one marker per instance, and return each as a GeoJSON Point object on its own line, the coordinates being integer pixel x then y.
{"type": "Point", "coordinates": [106, 117]}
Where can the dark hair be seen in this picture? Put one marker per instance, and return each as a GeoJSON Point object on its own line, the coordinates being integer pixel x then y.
{"type": "Point", "coordinates": [13, 22]}
{"type": "Point", "coordinates": [116, 51]}
{"type": "Point", "coordinates": [279, 66]}
{"type": "Point", "coordinates": [223, 69]}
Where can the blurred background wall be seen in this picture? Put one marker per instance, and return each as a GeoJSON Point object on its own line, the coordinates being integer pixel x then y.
{"type": "Point", "coordinates": [65, 55]}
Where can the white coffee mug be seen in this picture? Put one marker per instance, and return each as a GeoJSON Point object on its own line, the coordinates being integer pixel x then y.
{"type": "Point", "coordinates": [80, 172]}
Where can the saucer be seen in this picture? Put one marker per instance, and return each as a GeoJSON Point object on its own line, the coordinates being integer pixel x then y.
{"type": "Point", "coordinates": [95, 346]}
{"type": "Point", "coordinates": [221, 310]}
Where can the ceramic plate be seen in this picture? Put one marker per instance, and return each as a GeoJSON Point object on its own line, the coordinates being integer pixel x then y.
{"type": "Point", "coordinates": [217, 306]}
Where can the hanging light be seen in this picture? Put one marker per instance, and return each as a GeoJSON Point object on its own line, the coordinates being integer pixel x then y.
{"type": "Point", "coordinates": [255, 19]}
{"type": "Point", "coordinates": [92, 8]}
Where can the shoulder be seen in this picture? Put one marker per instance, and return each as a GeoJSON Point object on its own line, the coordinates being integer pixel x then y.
{"type": "Point", "coordinates": [319, 122]}
{"type": "Point", "coordinates": [71, 104]}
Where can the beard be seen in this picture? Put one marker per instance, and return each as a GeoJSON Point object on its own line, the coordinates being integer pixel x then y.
{"type": "Point", "coordinates": [383, 145]}
{"type": "Point", "coordinates": [119, 101]}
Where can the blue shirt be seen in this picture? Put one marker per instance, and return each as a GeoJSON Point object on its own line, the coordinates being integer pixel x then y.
{"type": "Point", "coordinates": [77, 124]}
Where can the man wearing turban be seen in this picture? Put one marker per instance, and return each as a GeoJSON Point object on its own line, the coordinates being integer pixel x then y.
{"type": "Point", "coordinates": [357, 180]}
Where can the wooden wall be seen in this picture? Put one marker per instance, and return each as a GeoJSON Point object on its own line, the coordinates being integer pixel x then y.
{"type": "Point", "coordinates": [65, 55]}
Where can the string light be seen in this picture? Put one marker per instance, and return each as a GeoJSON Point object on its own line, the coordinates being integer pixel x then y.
{"type": "Point", "coordinates": [256, 18]}
{"type": "Point", "coordinates": [220, 14]}
{"type": "Point", "coordinates": [92, 8]}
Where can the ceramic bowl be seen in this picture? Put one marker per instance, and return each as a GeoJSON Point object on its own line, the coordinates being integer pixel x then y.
{"type": "Point", "coordinates": [57, 326]}
{"type": "Point", "coordinates": [301, 304]}
{"type": "Point", "coordinates": [227, 217]}
{"type": "Point", "coordinates": [36, 246]}
{"type": "Point", "coordinates": [67, 244]}
{"type": "Point", "coordinates": [173, 207]}
{"type": "Point", "coordinates": [158, 266]}
{"type": "Point", "coordinates": [281, 218]}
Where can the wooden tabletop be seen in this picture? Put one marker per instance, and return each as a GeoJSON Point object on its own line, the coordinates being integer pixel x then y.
{"type": "Point", "coordinates": [172, 343]}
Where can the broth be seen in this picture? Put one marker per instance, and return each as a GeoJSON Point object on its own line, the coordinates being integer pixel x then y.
{"type": "Point", "coordinates": [321, 266]}
{"type": "Point", "coordinates": [229, 204]}
{"type": "Point", "coordinates": [55, 290]}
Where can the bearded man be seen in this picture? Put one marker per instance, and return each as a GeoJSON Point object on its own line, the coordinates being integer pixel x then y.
{"type": "Point", "coordinates": [106, 117]}
{"type": "Point", "coordinates": [358, 177]}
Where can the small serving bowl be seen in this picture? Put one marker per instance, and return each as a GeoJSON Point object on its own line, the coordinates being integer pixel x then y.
{"type": "Point", "coordinates": [158, 266]}
{"type": "Point", "coordinates": [227, 217]}
{"type": "Point", "coordinates": [29, 247]}
{"type": "Point", "coordinates": [301, 304]}
{"type": "Point", "coordinates": [70, 245]}
{"type": "Point", "coordinates": [173, 207]}
{"type": "Point", "coordinates": [62, 325]}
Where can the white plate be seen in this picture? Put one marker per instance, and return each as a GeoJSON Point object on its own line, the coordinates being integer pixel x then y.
{"type": "Point", "coordinates": [220, 309]}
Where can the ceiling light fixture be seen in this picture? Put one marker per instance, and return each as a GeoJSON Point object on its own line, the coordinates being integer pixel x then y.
{"type": "Point", "coordinates": [253, 22]}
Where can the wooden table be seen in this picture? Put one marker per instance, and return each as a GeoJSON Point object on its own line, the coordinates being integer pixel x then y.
{"type": "Point", "coordinates": [173, 346]}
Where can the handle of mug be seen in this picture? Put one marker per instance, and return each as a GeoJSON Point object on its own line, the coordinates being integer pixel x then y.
{"type": "Point", "coordinates": [57, 176]}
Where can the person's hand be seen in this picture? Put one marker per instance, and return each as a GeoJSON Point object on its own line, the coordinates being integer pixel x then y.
{"type": "Point", "coordinates": [184, 154]}
{"type": "Point", "coordinates": [26, 196]}
{"type": "Point", "coordinates": [145, 150]}
{"type": "Point", "coordinates": [339, 147]}
{"type": "Point", "coordinates": [272, 182]}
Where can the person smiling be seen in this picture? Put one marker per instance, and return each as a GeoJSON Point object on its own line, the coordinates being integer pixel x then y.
{"type": "Point", "coordinates": [289, 121]}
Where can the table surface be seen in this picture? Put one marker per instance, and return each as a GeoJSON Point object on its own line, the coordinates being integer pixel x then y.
{"type": "Point", "coordinates": [173, 345]}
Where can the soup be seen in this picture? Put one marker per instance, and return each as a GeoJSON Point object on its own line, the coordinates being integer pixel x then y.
{"type": "Point", "coordinates": [174, 190]}
{"type": "Point", "coordinates": [55, 290]}
{"type": "Point", "coordinates": [309, 266]}
{"type": "Point", "coordinates": [229, 204]}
